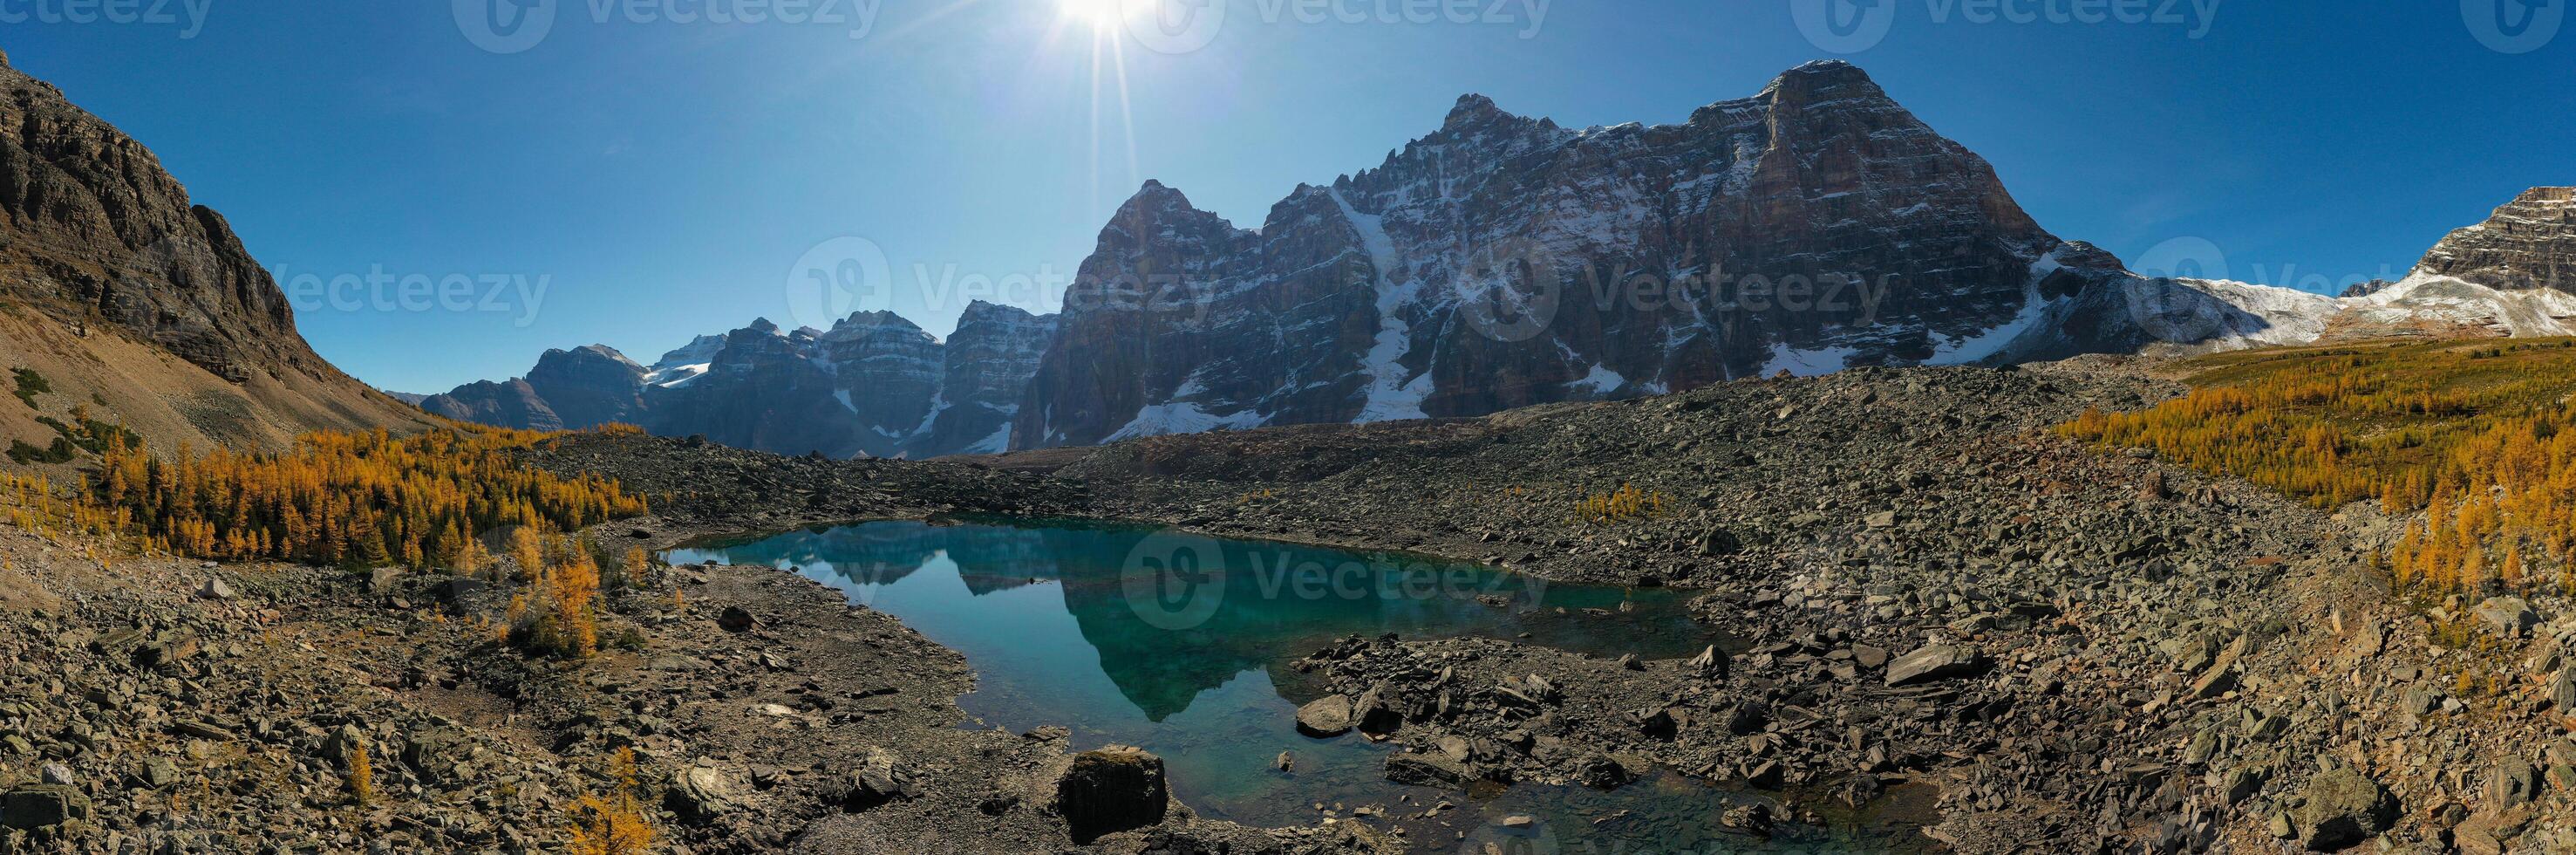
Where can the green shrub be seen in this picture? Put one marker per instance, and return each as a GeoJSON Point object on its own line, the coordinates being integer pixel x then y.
{"type": "Point", "coordinates": [31, 384]}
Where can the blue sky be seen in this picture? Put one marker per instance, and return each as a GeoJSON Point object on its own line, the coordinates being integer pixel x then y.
{"type": "Point", "coordinates": [663, 179]}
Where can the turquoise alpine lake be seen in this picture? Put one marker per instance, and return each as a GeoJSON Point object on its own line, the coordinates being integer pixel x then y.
{"type": "Point", "coordinates": [1183, 645]}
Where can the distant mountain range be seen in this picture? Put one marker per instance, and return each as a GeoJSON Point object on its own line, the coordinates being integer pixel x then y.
{"type": "Point", "coordinates": [874, 384]}
{"type": "Point", "coordinates": [1505, 261]}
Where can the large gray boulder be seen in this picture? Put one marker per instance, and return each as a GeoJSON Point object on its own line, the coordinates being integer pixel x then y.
{"type": "Point", "coordinates": [43, 806]}
{"type": "Point", "coordinates": [2341, 807]}
{"type": "Point", "coordinates": [1327, 717]}
{"type": "Point", "coordinates": [1111, 790]}
{"type": "Point", "coordinates": [2508, 616]}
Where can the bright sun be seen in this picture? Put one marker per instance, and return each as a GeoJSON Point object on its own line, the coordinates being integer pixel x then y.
{"type": "Point", "coordinates": [1095, 11]}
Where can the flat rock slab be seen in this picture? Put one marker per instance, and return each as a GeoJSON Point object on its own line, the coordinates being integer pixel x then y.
{"type": "Point", "coordinates": [1936, 662]}
{"type": "Point", "coordinates": [1325, 718]}
{"type": "Point", "coordinates": [2508, 616]}
{"type": "Point", "coordinates": [1427, 770]}
{"type": "Point", "coordinates": [43, 806]}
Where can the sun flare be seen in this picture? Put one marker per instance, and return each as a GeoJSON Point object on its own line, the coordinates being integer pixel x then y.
{"type": "Point", "coordinates": [1096, 11]}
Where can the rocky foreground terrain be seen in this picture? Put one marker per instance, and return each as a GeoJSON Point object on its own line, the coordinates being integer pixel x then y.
{"type": "Point", "coordinates": [1925, 590]}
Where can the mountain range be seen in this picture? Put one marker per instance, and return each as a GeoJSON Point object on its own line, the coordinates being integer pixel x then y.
{"type": "Point", "coordinates": [1504, 261]}
{"type": "Point", "coordinates": [874, 384]}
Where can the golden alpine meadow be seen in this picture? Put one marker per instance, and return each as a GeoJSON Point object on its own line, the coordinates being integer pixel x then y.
{"type": "Point", "coordinates": [2471, 438]}
{"type": "Point", "coordinates": [335, 498]}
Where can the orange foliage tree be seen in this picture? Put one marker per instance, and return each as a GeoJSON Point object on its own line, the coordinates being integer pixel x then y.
{"type": "Point", "coordinates": [338, 498]}
{"type": "Point", "coordinates": [2472, 443]}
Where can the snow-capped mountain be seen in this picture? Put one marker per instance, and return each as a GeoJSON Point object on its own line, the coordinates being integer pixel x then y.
{"type": "Point", "coordinates": [1504, 261]}
{"type": "Point", "coordinates": [2512, 275]}
{"type": "Point", "coordinates": [874, 384]}
{"type": "Point", "coordinates": [686, 362]}
{"type": "Point", "coordinates": [988, 364]}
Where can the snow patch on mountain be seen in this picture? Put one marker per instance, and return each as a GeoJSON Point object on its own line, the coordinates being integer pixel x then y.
{"type": "Point", "coordinates": [1807, 363]}
{"type": "Point", "coordinates": [1599, 381]}
{"type": "Point", "coordinates": [2431, 298]}
{"type": "Point", "coordinates": [1985, 345]}
{"type": "Point", "coordinates": [676, 376]}
{"type": "Point", "coordinates": [1390, 397]}
{"type": "Point", "coordinates": [1178, 418]}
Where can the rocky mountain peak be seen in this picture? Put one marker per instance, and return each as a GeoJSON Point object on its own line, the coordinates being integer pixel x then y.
{"type": "Point", "coordinates": [2526, 244]}
{"type": "Point", "coordinates": [1821, 178]}
{"type": "Point", "coordinates": [1824, 84]}
{"type": "Point", "coordinates": [982, 311]}
{"type": "Point", "coordinates": [124, 243]}
{"type": "Point", "coordinates": [1158, 208]}
{"type": "Point", "coordinates": [588, 386]}
{"type": "Point", "coordinates": [2559, 196]}
{"type": "Point", "coordinates": [879, 322]}
{"type": "Point", "coordinates": [98, 240]}
{"type": "Point", "coordinates": [1833, 69]}
{"type": "Point", "coordinates": [589, 353]}
{"type": "Point", "coordinates": [698, 351]}
{"type": "Point", "coordinates": [1155, 196]}
{"type": "Point", "coordinates": [1473, 109]}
